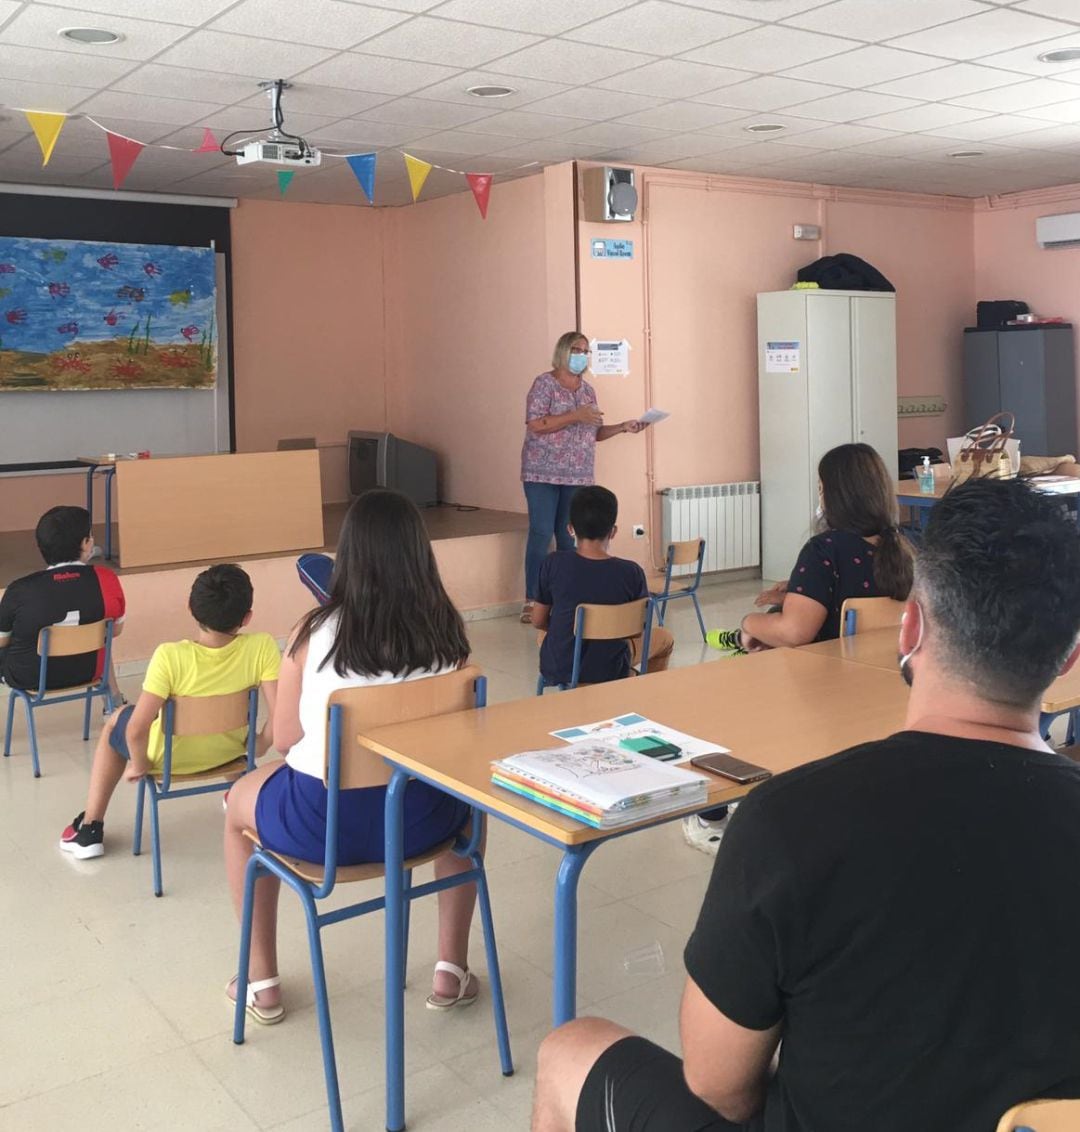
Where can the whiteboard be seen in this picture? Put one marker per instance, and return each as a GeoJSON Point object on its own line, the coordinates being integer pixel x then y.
{"type": "Point", "coordinates": [36, 427]}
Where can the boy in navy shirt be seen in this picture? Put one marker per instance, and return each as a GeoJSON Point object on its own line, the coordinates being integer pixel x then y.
{"type": "Point", "coordinates": [591, 576]}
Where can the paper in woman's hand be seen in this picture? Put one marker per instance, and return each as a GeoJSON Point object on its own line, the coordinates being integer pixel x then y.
{"type": "Point", "coordinates": [653, 416]}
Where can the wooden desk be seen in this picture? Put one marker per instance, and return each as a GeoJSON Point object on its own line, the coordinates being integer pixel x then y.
{"type": "Point", "coordinates": [188, 508]}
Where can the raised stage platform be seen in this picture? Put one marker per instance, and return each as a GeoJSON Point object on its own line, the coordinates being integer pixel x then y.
{"type": "Point", "coordinates": [480, 555]}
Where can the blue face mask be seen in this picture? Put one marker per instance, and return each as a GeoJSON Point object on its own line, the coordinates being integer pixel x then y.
{"type": "Point", "coordinates": [577, 363]}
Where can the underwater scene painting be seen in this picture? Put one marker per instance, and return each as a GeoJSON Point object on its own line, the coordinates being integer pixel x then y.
{"type": "Point", "coordinates": [76, 314]}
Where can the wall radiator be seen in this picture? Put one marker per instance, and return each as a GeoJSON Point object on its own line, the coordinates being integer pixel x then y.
{"type": "Point", "coordinates": [726, 515]}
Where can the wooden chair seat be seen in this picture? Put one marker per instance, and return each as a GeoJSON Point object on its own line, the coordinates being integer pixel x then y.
{"type": "Point", "coordinates": [232, 770]}
{"type": "Point", "coordinates": [1042, 1116]}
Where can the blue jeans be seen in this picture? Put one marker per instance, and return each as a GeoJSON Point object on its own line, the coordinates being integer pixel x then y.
{"type": "Point", "coordinates": [549, 514]}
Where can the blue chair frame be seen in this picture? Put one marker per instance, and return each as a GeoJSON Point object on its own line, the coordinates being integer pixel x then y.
{"type": "Point", "coordinates": [579, 640]}
{"type": "Point", "coordinates": [265, 863]}
{"type": "Point", "coordinates": [160, 789]}
{"type": "Point", "coordinates": [315, 570]}
{"type": "Point", "coordinates": [661, 599]}
{"type": "Point", "coordinates": [41, 697]}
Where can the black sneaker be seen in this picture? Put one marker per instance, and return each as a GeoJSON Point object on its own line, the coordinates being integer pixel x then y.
{"type": "Point", "coordinates": [83, 840]}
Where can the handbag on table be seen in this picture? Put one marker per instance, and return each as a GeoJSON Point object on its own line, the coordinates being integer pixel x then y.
{"type": "Point", "coordinates": [984, 454]}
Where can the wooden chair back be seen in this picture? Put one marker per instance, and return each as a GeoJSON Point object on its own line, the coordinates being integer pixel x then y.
{"type": "Point", "coordinates": [210, 715]}
{"type": "Point", "coordinates": [382, 704]}
{"type": "Point", "coordinates": [684, 553]}
{"type": "Point", "coordinates": [1042, 1116]}
{"type": "Point", "coordinates": [71, 640]}
{"type": "Point", "coordinates": [870, 613]}
{"type": "Point", "coordinates": [613, 622]}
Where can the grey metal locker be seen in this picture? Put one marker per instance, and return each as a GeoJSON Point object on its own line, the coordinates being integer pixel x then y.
{"type": "Point", "coordinates": [1030, 371]}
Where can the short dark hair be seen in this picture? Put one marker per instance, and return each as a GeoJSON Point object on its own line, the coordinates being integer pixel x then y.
{"type": "Point", "coordinates": [221, 597]}
{"type": "Point", "coordinates": [60, 533]}
{"type": "Point", "coordinates": [593, 511]}
{"type": "Point", "coordinates": [999, 576]}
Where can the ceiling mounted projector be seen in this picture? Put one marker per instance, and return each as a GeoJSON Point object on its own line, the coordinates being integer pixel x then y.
{"type": "Point", "coordinates": [278, 153]}
{"type": "Point", "coordinates": [275, 146]}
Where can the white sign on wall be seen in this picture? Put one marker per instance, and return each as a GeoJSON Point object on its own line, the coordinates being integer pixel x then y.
{"type": "Point", "coordinates": [782, 357]}
{"type": "Point", "coordinates": [610, 357]}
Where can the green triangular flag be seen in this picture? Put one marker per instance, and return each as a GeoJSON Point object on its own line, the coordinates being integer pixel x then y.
{"type": "Point", "coordinates": [283, 178]}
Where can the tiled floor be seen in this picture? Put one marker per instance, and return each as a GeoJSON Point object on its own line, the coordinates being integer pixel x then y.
{"type": "Point", "coordinates": [112, 1005]}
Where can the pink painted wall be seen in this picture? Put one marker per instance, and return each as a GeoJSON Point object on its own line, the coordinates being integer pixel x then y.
{"type": "Point", "coordinates": [474, 308]}
{"type": "Point", "coordinates": [1009, 264]}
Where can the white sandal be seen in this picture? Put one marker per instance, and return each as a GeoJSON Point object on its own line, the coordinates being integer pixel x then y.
{"type": "Point", "coordinates": [264, 1015]}
{"type": "Point", "coordinates": [463, 998]}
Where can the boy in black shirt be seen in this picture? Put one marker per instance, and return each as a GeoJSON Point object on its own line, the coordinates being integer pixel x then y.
{"type": "Point", "coordinates": [589, 575]}
{"type": "Point", "coordinates": [899, 919]}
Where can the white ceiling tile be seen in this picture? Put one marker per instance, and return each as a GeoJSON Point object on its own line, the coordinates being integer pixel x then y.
{"type": "Point", "coordinates": [839, 137]}
{"type": "Point", "coordinates": [947, 82]}
{"type": "Point", "coordinates": [547, 149]}
{"type": "Point", "coordinates": [609, 134]}
{"type": "Point", "coordinates": [44, 96]}
{"type": "Point", "coordinates": [762, 48]}
{"type": "Point", "coordinates": [1049, 137]}
{"type": "Point", "coordinates": [792, 126]}
{"type": "Point", "coordinates": [1060, 112]}
{"type": "Point", "coordinates": [37, 26]}
{"type": "Point", "coordinates": [597, 105]}
{"type": "Point", "coordinates": [424, 112]}
{"type": "Point", "coordinates": [661, 28]}
{"type": "Point", "coordinates": [561, 57]}
{"type": "Point", "coordinates": [684, 116]}
{"type": "Point", "coordinates": [403, 5]}
{"type": "Point", "coordinates": [672, 78]}
{"type": "Point", "coordinates": [671, 149]}
{"type": "Point", "coordinates": [446, 41]}
{"type": "Point", "coordinates": [456, 141]}
{"type": "Point", "coordinates": [1026, 59]}
{"type": "Point", "coordinates": [218, 51]}
{"type": "Point", "coordinates": [301, 99]}
{"type": "Point", "coordinates": [120, 104]}
{"type": "Point", "coordinates": [904, 145]}
{"type": "Point", "coordinates": [873, 21]}
{"type": "Point", "coordinates": [379, 76]}
{"type": "Point", "coordinates": [191, 12]}
{"type": "Point", "coordinates": [987, 129]}
{"type": "Point", "coordinates": [714, 163]}
{"type": "Point", "coordinates": [982, 35]}
{"type": "Point", "coordinates": [864, 66]}
{"type": "Point", "coordinates": [1021, 96]}
{"type": "Point", "coordinates": [1056, 9]}
{"type": "Point", "coordinates": [364, 136]}
{"type": "Point", "coordinates": [144, 131]}
{"type": "Point", "coordinates": [756, 10]}
{"type": "Point", "coordinates": [549, 18]}
{"type": "Point", "coordinates": [180, 82]}
{"type": "Point", "coordinates": [768, 92]}
{"type": "Point", "coordinates": [244, 120]}
{"type": "Point", "coordinates": [929, 116]}
{"type": "Point", "coordinates": [33, 64]}
{"type": "Point", "coordinates": [456, 89]}
{"type": "Point", "coordinates": [522, 124]}
{"type": "Point", "coordinates": [852, 105]}
{"type": "Point", "coordinates": [26, 158]}
{"type": "Point", "coordinates": [325, 23]}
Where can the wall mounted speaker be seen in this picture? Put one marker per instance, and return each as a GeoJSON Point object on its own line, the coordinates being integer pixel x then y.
{"type": "Point", "coordinates": [609, 194]}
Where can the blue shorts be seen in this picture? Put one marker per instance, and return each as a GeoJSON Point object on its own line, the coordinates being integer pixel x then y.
{"type": "Point", "coordinates": [290, 817]}
{"type": "Point", "coordinates": [118, 736]}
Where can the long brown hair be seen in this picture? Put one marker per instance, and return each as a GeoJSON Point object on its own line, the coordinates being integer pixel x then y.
{"type": "Point", "coordinates": [858, 496]}
{"type": "Point", "coordinates": [393, 614]}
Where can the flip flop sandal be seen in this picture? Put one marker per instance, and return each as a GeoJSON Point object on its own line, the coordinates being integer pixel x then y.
{"type": "Point", "coordinates": [526, 613]}
{"type": "Point", "coordinates": [440, 1001]}
{"type": "Point", "coordinates": [264, 1015]}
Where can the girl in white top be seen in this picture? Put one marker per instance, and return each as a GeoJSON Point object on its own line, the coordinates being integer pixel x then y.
{"type": "Point", "coordinates": [388, 619]}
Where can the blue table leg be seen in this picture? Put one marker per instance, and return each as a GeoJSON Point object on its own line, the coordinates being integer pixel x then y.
{"type": "Point", "coordinates": [90, 491]}
{"type": "Point", "coordinates": [394, 972]}
{"type": "Point", "coordinates": [564, 1005]}
{"type": "Point", "coordinates": [110, 474]}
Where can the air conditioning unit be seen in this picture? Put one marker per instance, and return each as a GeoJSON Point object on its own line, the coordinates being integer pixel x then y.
{"type": "Point", "coordinates": [1061, 231]}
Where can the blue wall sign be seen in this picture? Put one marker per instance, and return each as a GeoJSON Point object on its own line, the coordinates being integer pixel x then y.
{"type": "Point", "coordinates": [612, 249]}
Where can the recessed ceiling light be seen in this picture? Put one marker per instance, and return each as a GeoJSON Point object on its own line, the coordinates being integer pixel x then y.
{"type": "Point", "coordinates": [1065, 55]}
{"type": "Point", "coordinates": [97, 37]}
{"type": "Point", "coordinates": [489, 91]}
{"type": "Point", "coordinates": [968, 153]}
{"type": "Point", "coordinates": [765, 128]}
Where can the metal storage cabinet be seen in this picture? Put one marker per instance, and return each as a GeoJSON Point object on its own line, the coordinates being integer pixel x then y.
{"type": "Point", "coordinates": [1030, 371]}
{"type": "Point", "coordinates": [843, 389]}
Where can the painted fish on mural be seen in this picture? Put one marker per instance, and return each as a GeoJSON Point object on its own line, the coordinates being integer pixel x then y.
{"type": "Point", "coordinates": [109, 261]}
{"type": "Point", "coordinates": [54, 255]}
{"type": "Point", "coordinates": [68, 328]}
{"type": "Point", "coordinates": [189, 332]}
{"type": "Point", "coordinates": [59, 290]}
{"type": "Point", "coordinates": [4, 292]}
{"type": "Point", "coordinates": [135, 294]}
{"type": "Point", "coordinates": [151, 269]}
{"type": "Point", "coordinates": [7, 269]}
{"type": "Point", "coordinates": [180, 298]}
{"type": "Point", "coordinates": [16, 316]}
{"type": "Point", "coordinates": [112, 318]}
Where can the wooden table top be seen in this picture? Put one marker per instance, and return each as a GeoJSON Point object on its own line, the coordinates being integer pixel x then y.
{"type": "Point", "coordinates": [877, 648]}
{"type": "Point", "coordinates": [778, 709]}
{"type": "Point", "coordinates": [909, 489]}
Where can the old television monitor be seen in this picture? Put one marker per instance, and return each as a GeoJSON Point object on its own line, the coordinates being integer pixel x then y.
{"type": "Point", "coordinates": [380, 459]}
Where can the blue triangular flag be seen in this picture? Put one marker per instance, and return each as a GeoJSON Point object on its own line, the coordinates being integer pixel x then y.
{"type": "Point", "coordinates": [363, 165]}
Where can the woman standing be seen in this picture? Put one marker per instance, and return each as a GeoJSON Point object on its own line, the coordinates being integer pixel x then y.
{"type": "Point", "coordinates": [562, 426]}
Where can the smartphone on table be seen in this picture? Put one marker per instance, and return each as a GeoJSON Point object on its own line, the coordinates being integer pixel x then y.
{"type": "Point", "coordinates": [727, 766]}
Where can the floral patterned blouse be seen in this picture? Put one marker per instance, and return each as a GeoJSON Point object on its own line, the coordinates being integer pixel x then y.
{"type": "Point", "coordinates": [832, 567]}
{"type": "Point", "coordinates": [566, 456]}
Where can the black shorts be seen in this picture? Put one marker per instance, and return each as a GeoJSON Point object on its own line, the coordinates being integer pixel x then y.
{"type": "Point", "coordinates": [636, 1086]}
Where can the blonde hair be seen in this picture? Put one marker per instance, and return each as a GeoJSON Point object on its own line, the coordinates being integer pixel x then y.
{"type": "Point", "coordinates": [560, 356]}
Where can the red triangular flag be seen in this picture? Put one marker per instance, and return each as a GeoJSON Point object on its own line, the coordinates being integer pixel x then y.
{"type": "Point", "coordinates": [209, 142]}
{"type": "Point", "coordinates": [123, 152]}
{"type": "Point", "coordinates": [480, 183]}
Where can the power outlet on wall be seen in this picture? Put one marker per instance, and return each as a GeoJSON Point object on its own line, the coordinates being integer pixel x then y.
{"type": "Point", "coordinates": [639, 530]}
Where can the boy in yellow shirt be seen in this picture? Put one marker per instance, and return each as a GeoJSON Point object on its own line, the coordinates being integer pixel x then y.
{"type": "Point", "coordinates": [221, 659]}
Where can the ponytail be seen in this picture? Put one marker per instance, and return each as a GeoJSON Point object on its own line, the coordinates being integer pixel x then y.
{"type": "Point", "coordinates": [893, 564]}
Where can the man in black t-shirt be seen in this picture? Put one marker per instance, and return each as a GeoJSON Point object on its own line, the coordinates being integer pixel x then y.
{"type": "Point", "coordinates": [897, 922]}
{"type": "Point", "coordinates": [68, 591]}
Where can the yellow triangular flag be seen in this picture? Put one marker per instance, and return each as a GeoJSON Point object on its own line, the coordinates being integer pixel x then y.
{"type": "Point", "coordinates": [46, 129]}
{"type": "Point", "coordinates": [418, 171]}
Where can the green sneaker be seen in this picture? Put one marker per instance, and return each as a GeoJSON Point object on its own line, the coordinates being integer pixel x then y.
{"type": "Point", "coordinates": [725, 640]}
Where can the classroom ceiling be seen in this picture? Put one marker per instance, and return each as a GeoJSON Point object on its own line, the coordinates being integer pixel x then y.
{"type": "Point", "coordinates": [871, 93]}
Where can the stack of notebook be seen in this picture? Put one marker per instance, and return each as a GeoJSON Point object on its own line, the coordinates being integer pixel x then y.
{"type": "Point", "coordinates": [600, 783]}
